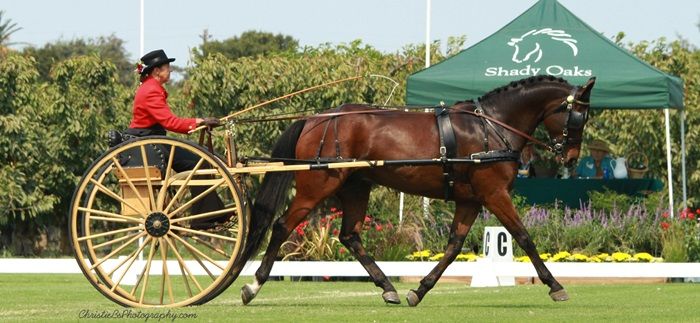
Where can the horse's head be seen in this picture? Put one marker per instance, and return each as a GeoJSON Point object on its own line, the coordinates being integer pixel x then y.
{"type": "Point", "coordinates": [528, 45]}
{"type": "Point", "coordinates": [565, 122]}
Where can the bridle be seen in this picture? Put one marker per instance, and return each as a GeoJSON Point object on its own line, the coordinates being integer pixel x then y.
{"type": "Point", "coordinates": [574, 121]}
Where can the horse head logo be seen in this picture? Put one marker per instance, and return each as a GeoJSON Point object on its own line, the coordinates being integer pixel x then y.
{"type": "Point", "coordinates": [531, 44]}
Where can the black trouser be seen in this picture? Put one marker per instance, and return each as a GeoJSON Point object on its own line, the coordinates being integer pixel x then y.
{"type": "Point", "coordinates": [184, 160]}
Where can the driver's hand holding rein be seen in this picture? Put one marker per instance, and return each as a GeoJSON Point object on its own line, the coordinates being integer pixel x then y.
{"type": "Point", "coordinates": [151, 114]}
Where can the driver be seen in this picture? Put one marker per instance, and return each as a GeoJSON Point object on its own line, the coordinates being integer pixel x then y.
{"type": "Point", "coordinates": [152, 116]}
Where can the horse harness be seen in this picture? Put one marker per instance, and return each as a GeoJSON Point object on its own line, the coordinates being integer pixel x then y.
{"type": "Point", "coordinates": [448, 144]}
{"type": "Point", "coordinates": [448, 141]}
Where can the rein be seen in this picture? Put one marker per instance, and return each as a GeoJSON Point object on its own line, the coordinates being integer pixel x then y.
{"type": "Point", "coordinates": [568, 102]}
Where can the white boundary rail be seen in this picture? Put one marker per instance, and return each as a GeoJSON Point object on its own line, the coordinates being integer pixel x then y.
{"type": "Point", "coordinates": [395, 268]}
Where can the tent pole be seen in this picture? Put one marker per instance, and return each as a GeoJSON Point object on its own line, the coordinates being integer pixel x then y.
{"type": "Point", "coordinates": [428, 5]}
{"type": "Point", "coordinates": [668, 163]}
{"type": "Point", "coordinates": [141, 50]}
{"type": "Point", "coordinates": [683, 173]}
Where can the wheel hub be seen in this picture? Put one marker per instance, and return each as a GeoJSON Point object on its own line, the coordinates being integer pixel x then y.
{"type": "Point", "coordinates": [157, 224]}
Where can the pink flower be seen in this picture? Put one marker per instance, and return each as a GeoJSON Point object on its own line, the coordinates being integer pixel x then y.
{"type": "Point", "coordinates": [378, 227]}
{"type": "Point", "coordinates": [665, 225]}
{"type": "Point", "coordinates": [697, 211]}
{"type": "Point", "coordinates": [367, 218]}
{"type": "Point", "coordinates": [664, 215]}
{"type": "Point", "coordinates": [333, 209]}
{"type": "Point", "coordinates": [335, 232]}
{"type": "Point", "coordinates": [342, 251]}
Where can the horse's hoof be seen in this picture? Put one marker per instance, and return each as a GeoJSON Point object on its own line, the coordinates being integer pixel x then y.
{"type": "Point", "coordinates": [247, 294]}
{"type": "Point", "coordinates": [559, 296]}
{"type": "Point", "coordinates": [391, 297]}
{"type": "Point", "coordinates": [412, 298]}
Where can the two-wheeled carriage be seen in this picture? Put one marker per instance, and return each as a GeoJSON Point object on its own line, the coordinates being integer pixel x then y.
{"type": "Point", "coordinates": [146, 235]}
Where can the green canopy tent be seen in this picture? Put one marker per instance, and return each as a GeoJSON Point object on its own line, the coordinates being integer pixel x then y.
{"type": "Point", "coordinates": [548, 39]}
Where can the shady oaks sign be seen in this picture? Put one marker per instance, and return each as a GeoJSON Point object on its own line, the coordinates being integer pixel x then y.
{"type": "Point", "coordinates": [530, 48]}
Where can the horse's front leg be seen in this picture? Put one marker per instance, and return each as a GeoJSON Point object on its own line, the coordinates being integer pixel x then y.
{"type": "Point", "coordinates": [465, 213]}
{"type": "Point", "coordinates": [354, 197]}
{"type": "Point", "coordinates": [500, 204]}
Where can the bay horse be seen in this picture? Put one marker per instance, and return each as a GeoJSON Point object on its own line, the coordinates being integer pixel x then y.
{"type": "Point", "coordinates": [394, 135]}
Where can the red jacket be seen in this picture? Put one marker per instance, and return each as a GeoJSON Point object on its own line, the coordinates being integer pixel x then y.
{"type": "Point", "coordinates": [151, 107]}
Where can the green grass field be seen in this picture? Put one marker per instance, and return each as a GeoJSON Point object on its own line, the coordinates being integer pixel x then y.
{"type": "Point", "coordinates": [65, 297]}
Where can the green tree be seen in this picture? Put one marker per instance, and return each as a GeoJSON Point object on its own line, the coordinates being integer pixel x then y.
{"type": "Point", "coordinates": [24, 164]}
{"type": "Point", "coordinates": [249, 43]}
{"type": "Point", "coordinates": [110, 49]}
{"type": "Point", "coordinates": [81, 103]}
{"type": "Point", "coordinates": [7, 28]}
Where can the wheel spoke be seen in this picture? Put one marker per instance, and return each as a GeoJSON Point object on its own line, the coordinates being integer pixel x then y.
{"type": "Point", "coordinates": [189, 203]}
{"type": "Point", "coordinates": [138, 282]}
{"type": "Point", "coordinates": [182, 188]}
{"type": "Point", "coordinates": [115, 251]}
{"type": "Point", "coordinates": [203, 215]}
{"type": "Point", "coordinates": [113, 241]}
{"type": "Point", "coordinates": [131, 259]}
{"type": "Point", "coordinates": [199, 261]}
{"type": "Point", "coordinates": [107, 219]}
{"type": "Point", "coordinates": [110, 215]}
{"type": "Point", "coordinates": [183, 265]}
{"type": "Point", "coordinates": [148, 178]}
{"type": "Point", "coordinates": [195, 250]}
{"type": "Point", "coordinates": [115, 196]}
{"type": "Point", "coordinates": [203, 233]}
{"type": "Point", "coordinates": [148, 269]}
{"type": "Point", "coordinates": [210, 246]}
{"type": "Point", "coordinates": [128, 180]}
{"type": "Point", "coordinates": [113, 232]}
{"type": "Point", "coordinates": [166, 275]}
{"type": "Point", "coordinates": [168, 173]}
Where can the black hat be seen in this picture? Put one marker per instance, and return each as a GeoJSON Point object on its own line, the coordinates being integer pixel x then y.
{"type": "Point", "coordinates": [153, 59]}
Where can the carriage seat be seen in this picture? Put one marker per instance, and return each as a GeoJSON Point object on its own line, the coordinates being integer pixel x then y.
{"type": "Point", "coordinates": [139, 177]}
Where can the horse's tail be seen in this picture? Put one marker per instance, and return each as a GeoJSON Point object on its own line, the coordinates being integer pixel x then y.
{"type": "Point", "coordinates": [273, 191]}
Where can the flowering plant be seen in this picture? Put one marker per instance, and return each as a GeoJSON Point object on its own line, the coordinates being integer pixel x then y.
{"type": "Point", "coordinates": [423, 255]}
{"type": "Point", "coordinates": [318, 238]}
{"type": "Point", "coordinates": [564, 256]}
{"type": "Point", "coordinates": [681, 236]}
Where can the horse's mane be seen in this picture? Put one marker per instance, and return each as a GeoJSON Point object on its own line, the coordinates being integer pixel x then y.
{"type": "Point", "coordinates": [520, 83]}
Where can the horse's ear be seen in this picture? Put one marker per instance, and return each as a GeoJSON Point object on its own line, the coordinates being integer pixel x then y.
{"type": "Point", "coordinates": [585, 92]}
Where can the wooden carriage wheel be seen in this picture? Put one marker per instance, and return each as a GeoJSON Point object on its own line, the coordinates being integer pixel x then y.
{"type": "Point", "coordinates": [147, 236]}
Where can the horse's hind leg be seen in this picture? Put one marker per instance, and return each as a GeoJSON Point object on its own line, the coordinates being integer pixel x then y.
{"type": "Point", "coordinates": [500, 204]}
{"type": "Point", "coordinates": [300, 207]}
{"type": "Point", "coordinates": [465, 214]}
{"type": "Point", "coordinates": [354, 197]}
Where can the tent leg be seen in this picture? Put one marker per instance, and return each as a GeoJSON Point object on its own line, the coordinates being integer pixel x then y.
{"type": "Point", "coordinates": [400, 208]}
{"type": "Point", "coordinates": [668, 163]}
{"type": "Point", "coordinates": [683, 173]}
